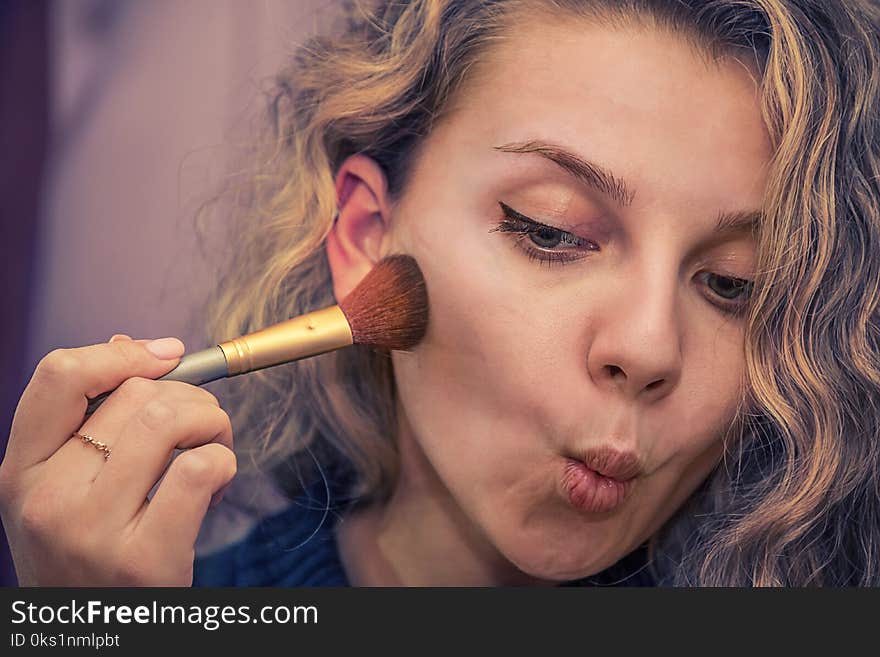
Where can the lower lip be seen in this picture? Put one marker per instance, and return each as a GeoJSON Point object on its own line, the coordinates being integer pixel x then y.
{"type": "Point", "coordinates": [589, 491]}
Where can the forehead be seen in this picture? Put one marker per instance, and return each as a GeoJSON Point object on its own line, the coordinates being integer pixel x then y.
{"type": "Point", "coordinates": [641, 101]}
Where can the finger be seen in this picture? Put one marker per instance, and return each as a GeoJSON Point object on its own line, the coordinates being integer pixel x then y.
{"type": "Point", "coordinates": [54, 402]}
{"type": "Point", "coordinates": [146, 445]}
{"type": "Point", "coordinates": [78, 462]}
{"type": "Point", "coordinates": [174, 515]}
{"type": "Point", "coordinates": [121, 336]}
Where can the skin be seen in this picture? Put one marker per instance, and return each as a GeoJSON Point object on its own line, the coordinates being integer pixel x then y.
{"type": "Point", "coordinates": [523, 363]}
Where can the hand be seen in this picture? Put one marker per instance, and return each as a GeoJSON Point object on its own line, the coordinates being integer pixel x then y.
{"type": "Point", "coordinates": [75, 519]}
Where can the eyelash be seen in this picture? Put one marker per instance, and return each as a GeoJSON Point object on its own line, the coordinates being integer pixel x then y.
{"type": "Point", "coordinates": [523, 228]}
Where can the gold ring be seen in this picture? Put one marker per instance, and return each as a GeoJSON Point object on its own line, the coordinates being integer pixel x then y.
{"type": "Point", "coordinates": [96, 443]}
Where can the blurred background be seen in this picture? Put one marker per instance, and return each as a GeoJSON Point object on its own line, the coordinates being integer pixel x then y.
{"type": "Point", "coordinates": [115, 117]}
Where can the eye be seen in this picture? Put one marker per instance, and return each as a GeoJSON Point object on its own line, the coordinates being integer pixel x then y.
{"type": "Point", "coordinates": [734, 292]}
{"type": "Point", "coordinates": [540, 241]}
{"type": "Point", "coordinates": [546, 238]}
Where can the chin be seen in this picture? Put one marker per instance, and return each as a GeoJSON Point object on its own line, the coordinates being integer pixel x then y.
{"type": "Point", "coordinates": [560, 560]}
{"type": "Point", "coordinates": [555, 569]}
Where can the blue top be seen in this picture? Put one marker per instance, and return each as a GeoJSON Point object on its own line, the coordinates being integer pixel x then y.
{"type": "Point", "coordinates": [294, 547]}
{"type": "Point", "coordinates": [297, 547]}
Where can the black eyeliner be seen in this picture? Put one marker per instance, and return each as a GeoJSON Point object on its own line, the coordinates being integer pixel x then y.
{"type": "Point", "coordinates": [513, 214]}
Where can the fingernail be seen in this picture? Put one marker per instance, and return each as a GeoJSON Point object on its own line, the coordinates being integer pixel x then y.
{"type": "Point", "coordinates": [165, 348]}
{"type": "Point", "coordinates": [119, 336]}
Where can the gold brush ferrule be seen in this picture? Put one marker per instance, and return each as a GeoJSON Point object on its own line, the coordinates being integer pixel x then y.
{"type": "Point", "coordinates": [307, 335]}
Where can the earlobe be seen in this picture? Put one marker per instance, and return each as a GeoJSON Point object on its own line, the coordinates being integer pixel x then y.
{"type": "Point", "coordinates": [354, 243]}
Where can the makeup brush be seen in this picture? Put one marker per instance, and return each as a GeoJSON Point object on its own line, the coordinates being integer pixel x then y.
{"type": "Point", "coordinates": [388, 309]}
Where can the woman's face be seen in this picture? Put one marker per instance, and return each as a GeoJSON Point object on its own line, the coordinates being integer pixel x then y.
{"type": "Point", "coordinates": [602, 337]}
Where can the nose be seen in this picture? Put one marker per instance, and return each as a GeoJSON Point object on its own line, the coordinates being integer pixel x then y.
{"type": "Point", "coordinates": [636, 347]}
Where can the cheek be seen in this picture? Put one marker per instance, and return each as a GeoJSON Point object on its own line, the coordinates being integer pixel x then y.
{"type": "Point", "coordinates": [488, 312]}
{"type": "Point", "coordinates": [707, 402]}
{"type": "Point", "coordinates": [476, 355]}
{"type": "Point", "coordinates": [492, 353]}
{"type": "Point", "coordinates": [715, 376]}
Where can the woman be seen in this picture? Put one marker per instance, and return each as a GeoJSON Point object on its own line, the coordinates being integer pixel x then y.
{"type": "Point", "coordinates": [648, 231]}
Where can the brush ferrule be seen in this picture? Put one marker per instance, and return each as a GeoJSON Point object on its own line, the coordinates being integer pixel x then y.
{"type": "Point", "coordinates": [307, 335]}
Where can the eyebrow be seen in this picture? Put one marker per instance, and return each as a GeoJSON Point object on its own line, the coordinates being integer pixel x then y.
{"type": "Point", "coordinates": [590, 173]}
{"type": "Point", "coordinates": [744, 221]}
{"type": "Point", "coordinates": [598, 177]}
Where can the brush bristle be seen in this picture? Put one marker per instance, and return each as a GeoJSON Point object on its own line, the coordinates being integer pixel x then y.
{"type": "Point", "coordinates": [389, 307]}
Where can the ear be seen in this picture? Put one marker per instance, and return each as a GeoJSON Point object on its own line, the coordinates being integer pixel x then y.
{"type": "Point", "coordinates": [354, 243]}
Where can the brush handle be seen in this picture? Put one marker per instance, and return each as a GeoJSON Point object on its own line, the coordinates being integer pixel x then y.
{"type": "Point", "coordinates": [196, 368]}
{"type": "Point", "coordinates": [308, 335]}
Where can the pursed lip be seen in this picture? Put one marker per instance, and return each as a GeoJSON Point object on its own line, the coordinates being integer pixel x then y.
{"type": "Point", "coordinates": [614, 463]}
